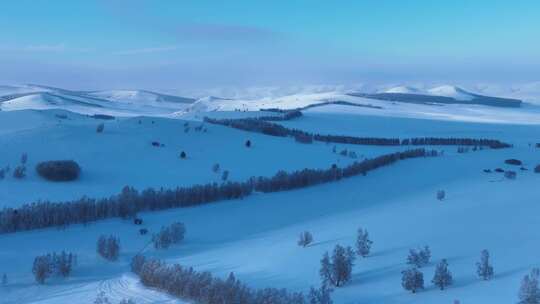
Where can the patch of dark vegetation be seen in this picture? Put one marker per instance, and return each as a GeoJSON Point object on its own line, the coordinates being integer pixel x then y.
{"type": "Point", "coordinates": [61, 116]}
{"type": "Point", "coordinates": [537, 169]}
{"type": "Point", "coordinates": [499, 170]}
{"type": "Point", "coordinates": [59, 170]}
{"type": "Point", "coordinates": [273, 129]}
{"type": "Point", "coordinates": [513, 161]}
{"type": "Point", "coordinates": [103, 116]}
{"type": "Point", "coordinates": [129, 202]}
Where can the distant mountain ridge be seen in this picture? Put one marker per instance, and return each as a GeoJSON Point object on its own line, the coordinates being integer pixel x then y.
{"type": "Point", "coordinates": [445, 94]}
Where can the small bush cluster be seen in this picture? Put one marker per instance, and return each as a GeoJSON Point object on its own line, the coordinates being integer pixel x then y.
{"type": "Point", "coordinates": [59, 170]}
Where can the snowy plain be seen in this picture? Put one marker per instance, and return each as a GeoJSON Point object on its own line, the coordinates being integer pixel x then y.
{"type": "Point", "coordinates": [256, 237]}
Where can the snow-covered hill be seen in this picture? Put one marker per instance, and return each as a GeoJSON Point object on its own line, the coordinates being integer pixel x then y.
{"type": "Point", "coordinates": [113, 102]}
{"type": "Point", "coordinates": [256, 237]}
{"type": "Point", "coordinates": [453, 92]}
{"type": "Point", "coordinates": [138, 96]}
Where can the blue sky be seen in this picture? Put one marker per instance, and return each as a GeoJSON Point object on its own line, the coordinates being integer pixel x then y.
{"type": "Point", "coordinates": [182, 43]}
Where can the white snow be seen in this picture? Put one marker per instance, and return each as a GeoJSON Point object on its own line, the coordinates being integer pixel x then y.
{"type": "Point", "coordinates": [451, 91]}
{"type": "Point", "coordinates": [256, 237]}
{"type": "Point", "coordinates": [404, 90]}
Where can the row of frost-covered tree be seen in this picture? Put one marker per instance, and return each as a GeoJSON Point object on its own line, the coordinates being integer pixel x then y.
{"type": "Point", "coordinates": [268, 128]}
{"type": "Point", "coordinates": [130, 201]}
{"type": "Point", "coordinates": [202, 287]}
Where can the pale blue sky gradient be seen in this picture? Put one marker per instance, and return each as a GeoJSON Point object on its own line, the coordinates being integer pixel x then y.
{"type": "Point", "coordinates": [181, 44]}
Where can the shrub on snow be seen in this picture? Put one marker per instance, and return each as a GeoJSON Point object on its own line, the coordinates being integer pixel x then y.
{"type": "Point", "coordinates": [59, 170]}
{"type": "Point", "coordinates": [513, 161]}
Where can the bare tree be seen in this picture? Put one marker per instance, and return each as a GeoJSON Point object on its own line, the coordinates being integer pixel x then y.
{"type": "Point", "coordinates": [305, 239]}
{"type": "Point", "coordinates": [483, 268]}
{"type": "Point", "coordinates": [443, 276]}
{"type": "Point", "coordinates": [412, 279]}
{"type": "Point", "coordinates": [529, 291]}
{"type": "Point", "coordinates": [108, 247]}
{"type": "Point", "coordinates": [225, 175]}
{"type": "Point", "coordinates": [42, 268]}
{"type": "Point", "coordinates": [420, 257]}
{"type": "Point", "coordinates": [24, 158]}
{"type": "Point", "coordinates": [363, 243]}
{"type": "Point", "coordinates": [337, 270]}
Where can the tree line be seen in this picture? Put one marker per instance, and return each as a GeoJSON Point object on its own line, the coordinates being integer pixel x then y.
{"type": "Point", "coordinates": [202, 287]}
{"type": "Point", "coordinates": [129, 201]}
{"type": "Point", "coordinates": [285, 115]}
{"type": "Point", "coordinates": [259, 125]}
